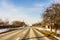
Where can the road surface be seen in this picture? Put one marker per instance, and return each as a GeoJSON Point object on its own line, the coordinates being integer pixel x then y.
{"type": "Point", "coordinates": [28, 33]}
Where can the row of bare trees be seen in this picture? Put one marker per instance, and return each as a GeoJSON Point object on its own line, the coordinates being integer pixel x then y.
{"type": "Point", "coordinates": [6, 24]}
{"type": "Point", "coordinates": [37, 24]}
{"type": "Point", "coordinates": [52, 15]}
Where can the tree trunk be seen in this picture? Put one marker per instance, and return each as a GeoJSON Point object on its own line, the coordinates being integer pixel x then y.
{"type": "Point", "coordinates": [51, 28]}
{"type": "Point", "coordinates": [51, 25]}
{"type": "Point", "coordinates": [56, 30]}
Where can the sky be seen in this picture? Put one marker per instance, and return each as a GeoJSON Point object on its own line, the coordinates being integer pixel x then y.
{"type": "Point", "coordinates": [29, 11]}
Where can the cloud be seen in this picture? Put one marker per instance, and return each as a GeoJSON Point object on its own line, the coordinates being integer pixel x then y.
{"type": "Point", "coordinates": [38, 5]}
{"type": "Point", "coordinates": [12, 12]}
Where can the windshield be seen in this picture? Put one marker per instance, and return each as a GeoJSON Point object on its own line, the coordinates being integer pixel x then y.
{"type": "Point", "coordinates": [29, 19]}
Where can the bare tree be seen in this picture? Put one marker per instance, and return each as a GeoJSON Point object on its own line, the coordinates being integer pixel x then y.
{"type": "Point", "coordinates": [52, 15]}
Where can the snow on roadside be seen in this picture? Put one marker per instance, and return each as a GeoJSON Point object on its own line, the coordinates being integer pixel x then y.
{"type": "Point", "coordinates": [3, 30]}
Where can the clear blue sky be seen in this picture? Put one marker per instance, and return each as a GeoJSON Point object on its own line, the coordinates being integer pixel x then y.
{"type": "Point", "coordinates": [28, 10]}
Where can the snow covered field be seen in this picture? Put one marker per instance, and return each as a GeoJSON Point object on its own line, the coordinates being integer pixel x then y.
{"type": "Point", "coordinates": [3, 30]}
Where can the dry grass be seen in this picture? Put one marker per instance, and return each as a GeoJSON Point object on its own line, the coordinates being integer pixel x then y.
{"type": "Point", "coordinates": [48, 34]}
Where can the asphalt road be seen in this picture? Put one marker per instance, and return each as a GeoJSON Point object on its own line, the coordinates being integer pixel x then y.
{"type": "Point", "coordinates": [24, 34]}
